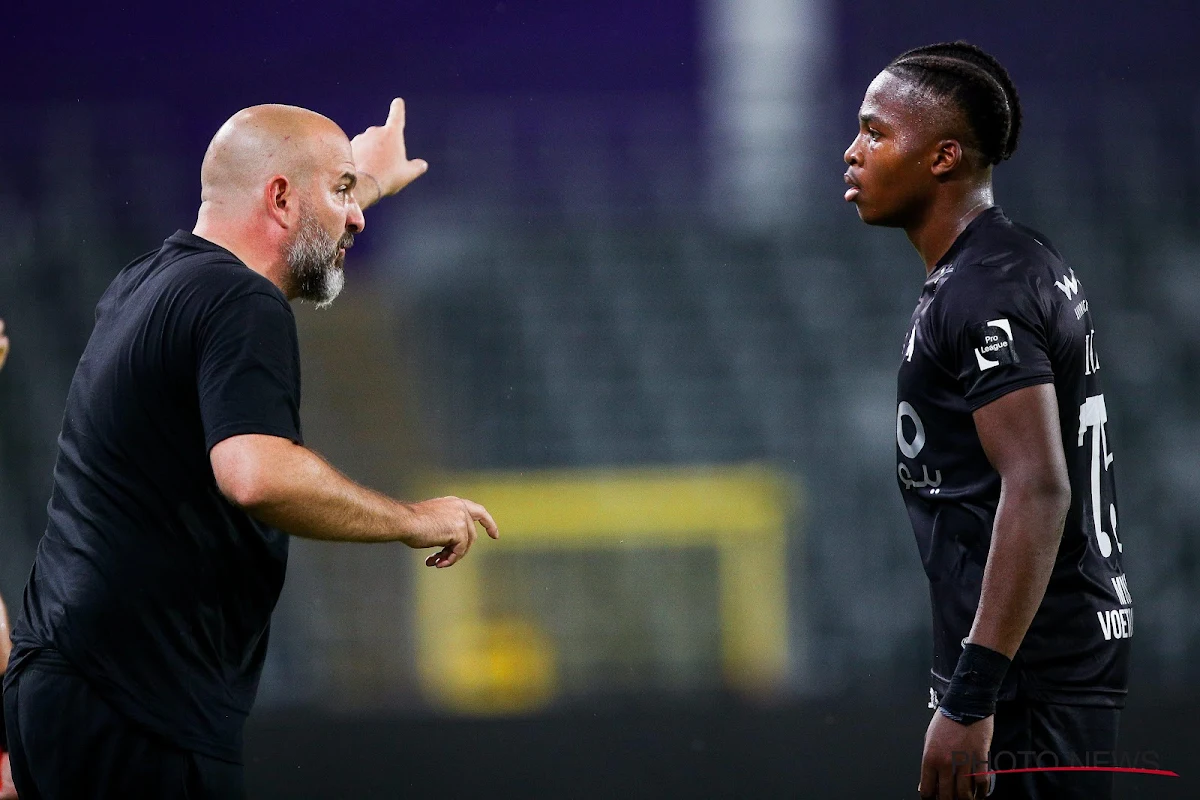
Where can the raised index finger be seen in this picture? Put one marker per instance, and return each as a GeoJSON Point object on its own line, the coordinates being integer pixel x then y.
{"type": "Point", "coordinates": [396, 113]}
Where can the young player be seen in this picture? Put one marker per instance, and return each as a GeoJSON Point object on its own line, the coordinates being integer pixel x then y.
{"type": "Point", "coordinates": [1004, 457]}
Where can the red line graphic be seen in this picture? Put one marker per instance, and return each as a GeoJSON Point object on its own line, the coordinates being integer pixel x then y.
{"type": "Point", "coordinates": [1135, 770]}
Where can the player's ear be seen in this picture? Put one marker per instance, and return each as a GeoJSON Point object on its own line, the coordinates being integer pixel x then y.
{"type": "Point", "coordinates": [947, 155]}
{"type": "Point", "coordinates": [280, 200]}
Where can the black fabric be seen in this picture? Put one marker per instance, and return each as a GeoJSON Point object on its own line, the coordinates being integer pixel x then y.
{"type": "Point", "coordinates": [1001, 312]}
{"type": "Point", "coordinates": [100, 753]}
{"type": "Point", "coordinates": [1029, 735]}
{"type": "Point", "coordinates": [147, 581]}
{"type": "Point", "coordinates": [975, 685]}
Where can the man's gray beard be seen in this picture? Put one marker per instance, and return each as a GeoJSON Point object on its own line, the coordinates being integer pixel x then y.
{"type": "Point", "coordinates": [312, 262]}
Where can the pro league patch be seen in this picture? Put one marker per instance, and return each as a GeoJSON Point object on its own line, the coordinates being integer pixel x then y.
{"type": "Point", "coordinates": [993, 342]}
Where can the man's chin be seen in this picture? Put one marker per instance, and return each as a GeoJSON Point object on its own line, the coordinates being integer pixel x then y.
{"type": "Point", "coordinates": [335, 281]}
{"type": "Point", "coordinates": [872, 217]}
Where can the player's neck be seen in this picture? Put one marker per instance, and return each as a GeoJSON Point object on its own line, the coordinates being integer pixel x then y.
{"type": "Point", "coordinates": [944, 220]}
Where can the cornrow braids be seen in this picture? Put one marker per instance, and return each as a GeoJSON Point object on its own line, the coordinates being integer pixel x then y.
{"type": "Point", "coordinates": [974, 81]}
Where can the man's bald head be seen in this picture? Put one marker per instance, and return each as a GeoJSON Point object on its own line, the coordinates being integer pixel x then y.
{"type": "Point", "coordinates": [260, 142]}
{"type": "Point", "coordinates": [277, 190]}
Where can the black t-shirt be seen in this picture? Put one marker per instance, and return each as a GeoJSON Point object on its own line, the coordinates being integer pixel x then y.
{"type": "Point", "coordinates": [148, 581]}
{"type": "Point", "coordinates": [1001, 311]}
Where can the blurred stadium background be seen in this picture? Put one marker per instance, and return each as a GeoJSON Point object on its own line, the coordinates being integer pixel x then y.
{"type": "Point", "coordinates": [628, 310]}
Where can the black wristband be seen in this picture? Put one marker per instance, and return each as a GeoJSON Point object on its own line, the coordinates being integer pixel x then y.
{"type": "Point", "coordinates": [975, 685]}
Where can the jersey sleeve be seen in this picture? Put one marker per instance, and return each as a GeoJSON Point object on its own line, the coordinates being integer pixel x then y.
{"type": "Point", "coordinates": [248, 370]}
{"type": "Point", "coordinates": [993, 334]}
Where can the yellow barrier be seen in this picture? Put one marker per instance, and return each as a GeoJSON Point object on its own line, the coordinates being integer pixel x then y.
{"type": "Point", "coordinates": [475, 663]}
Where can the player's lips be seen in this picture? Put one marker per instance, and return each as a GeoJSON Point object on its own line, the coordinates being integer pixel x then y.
{"type": "Point", "coordinates": [853, 192]}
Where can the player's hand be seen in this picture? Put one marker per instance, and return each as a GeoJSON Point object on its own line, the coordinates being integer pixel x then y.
{"type": "Point", "coordinates": [952, 752]}
{"type": "Point", "coordinates": [449, 523]}
{"type": "Point", "coordinates": [3, 345]}
{"type": "Point", "coordinates": [380, 153]}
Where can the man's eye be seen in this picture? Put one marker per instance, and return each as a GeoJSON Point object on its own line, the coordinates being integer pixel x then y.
{"type": "Point", "coordinates": [874, 134]}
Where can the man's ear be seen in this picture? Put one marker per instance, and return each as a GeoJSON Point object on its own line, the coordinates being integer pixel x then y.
{"type": "Point", "coordinates": [947, 155]}
{"type": "Point", "coordinates": [280, 201]}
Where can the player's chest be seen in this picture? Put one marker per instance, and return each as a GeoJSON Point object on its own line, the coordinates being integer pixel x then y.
{"type": "Point", "coordinates": [923, 369]}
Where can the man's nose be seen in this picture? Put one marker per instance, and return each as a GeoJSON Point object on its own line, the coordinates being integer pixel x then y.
{"type": "Point", "coordinates": [851, 154]}
{"type": "Point", "coordinates": [355, 221]}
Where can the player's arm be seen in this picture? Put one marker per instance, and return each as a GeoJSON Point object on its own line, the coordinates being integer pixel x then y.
{"type": "Point", "coordinates": [382, 161]}
{"type": "Point", "coordinates": [1021, 435]}
{"type": "Point", "coordinates": [291, 488]}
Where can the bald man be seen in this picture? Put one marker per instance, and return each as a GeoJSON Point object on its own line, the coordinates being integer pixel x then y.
{"type": "Point", "coordinates": [182, 471]}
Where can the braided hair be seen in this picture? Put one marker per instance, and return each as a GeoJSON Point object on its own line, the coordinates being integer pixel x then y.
{"type": "Point", "coordinates": [975, 82]}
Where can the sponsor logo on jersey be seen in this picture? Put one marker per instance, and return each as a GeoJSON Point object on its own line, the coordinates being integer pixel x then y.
{"type": "Point", "coordinates": [1069, 285]}
{"type": "Point", "coordinates": [911, 448]}
{"type": "Point", "coordinates": [993, 344]}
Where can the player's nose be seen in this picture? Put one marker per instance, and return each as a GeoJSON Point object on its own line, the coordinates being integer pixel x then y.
{"type": "Point", "coordinates": [851, 154]}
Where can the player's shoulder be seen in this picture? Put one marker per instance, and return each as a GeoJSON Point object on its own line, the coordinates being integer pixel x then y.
{"type": "Point", "coordinates": [1005, 247]}
{"type": "Point", "coordinates": [999, 270]}
{"type": "Point", "coordinates": [999, 256]}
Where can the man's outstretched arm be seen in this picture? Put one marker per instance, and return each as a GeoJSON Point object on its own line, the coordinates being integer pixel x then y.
{"type": "Point", "coordinates": [291, 488]}
{"type": "Point", "coordinates": [381, 159]}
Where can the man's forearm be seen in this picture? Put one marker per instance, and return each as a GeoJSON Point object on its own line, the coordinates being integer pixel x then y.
{"type": "Point", "coordinates": [367, 190]}
{"type": "Point", "coordinates": [291, 488]}
{"type": "Point", "coordinates": [1025, 540]}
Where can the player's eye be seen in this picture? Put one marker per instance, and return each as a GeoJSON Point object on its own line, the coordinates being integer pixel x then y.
{"type": "Point", "coordinates": [874, 134]}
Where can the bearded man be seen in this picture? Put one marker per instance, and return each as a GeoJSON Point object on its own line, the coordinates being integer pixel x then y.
{"type": "Point", "coordinates": [182, 473]}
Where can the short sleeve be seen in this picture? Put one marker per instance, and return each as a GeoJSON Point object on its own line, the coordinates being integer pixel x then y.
{"type": "Point", "coordinates": [994, 334]}
{"type": "Point", "coordinates": [248, 370]}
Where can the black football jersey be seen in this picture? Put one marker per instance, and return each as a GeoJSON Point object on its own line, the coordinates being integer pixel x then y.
{"type": "Point", "coordinates": [1002, 311]}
